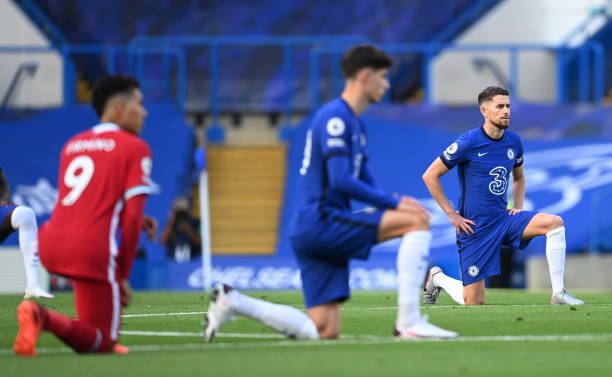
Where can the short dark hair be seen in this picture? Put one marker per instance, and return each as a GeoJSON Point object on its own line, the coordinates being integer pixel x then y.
{"type": "Point", "coordinates": [364, 56]}
{"type": "Point", "coordinates": [109, 86]}
{"type": "Point", "coordinates": [491, 91]}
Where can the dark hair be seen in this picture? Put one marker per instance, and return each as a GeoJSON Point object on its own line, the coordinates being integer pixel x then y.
{"type": "Point", "coordinates": [109, 86]}
{"type": "Point", "coordinates": [364, 56]}
{"type": "Point", "coordinates": [491, 91]}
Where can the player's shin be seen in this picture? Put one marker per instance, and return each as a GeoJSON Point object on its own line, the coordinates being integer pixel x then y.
{"type": "Point", "coordinates": [411, 268]}
{"type": "Point", "coordinates": [555, 256]}
{"type": "Point", "coordinates": [282, 318]}
{"type": "Point", "coordinates": [453, 287]}
{"type": "Point", "coordinates": [24, 220]}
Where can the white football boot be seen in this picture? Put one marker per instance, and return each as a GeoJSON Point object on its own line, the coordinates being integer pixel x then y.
{"type": "Point", "coordinates": [219, 311]}
{"type": "Point", "coordinates": [36, 291]}
{"type": "Point", "coordinates": [422, 329]}
{"type": "Point", "coordinates": [565, 298]}
{"type": "Point", "coordinates": [431, 291]}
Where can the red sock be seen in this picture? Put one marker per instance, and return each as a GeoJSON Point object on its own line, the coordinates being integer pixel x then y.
{"type": "Point", "coordinates": [80, 336]}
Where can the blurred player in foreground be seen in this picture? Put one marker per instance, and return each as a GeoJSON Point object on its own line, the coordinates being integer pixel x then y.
{"type": "Point", "coordinates": [103, 184]}
{"type": "Point", "coordinates": [12, 218]}
{"type": "Point", "coordinates": [326, 233]}
{"type": "Point", "coordinates": [485, 158]}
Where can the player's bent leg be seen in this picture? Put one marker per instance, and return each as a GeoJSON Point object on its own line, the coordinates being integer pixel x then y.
{"type": "Point", "coordinates": [24, 220]}
{"type": "Point", "coordinates": [226, 302]}
{"type": "Point", "coordinates": [414, 228]}
{"type": "Point", "coordinates": [541, 224]}
{"type": "Point", "coordinates": [33, 318]}
{"type": "Point", "coordinates": [327, 319]}
{"type": "Point", "coordinates": [552, 227]}
{"type": "Point", "coordinates": [438, 280]}
{"type": "Point", "coordinates": [98, 308]}
{"type": "Point", "coordinates": [474, 294]}
{"type": "Point", "coordinates": [395, 223]}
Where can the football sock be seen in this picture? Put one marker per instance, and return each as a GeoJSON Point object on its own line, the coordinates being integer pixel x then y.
{"type": "Point", "coordinates": [453, 287]}
{"type": "Point", "coordinates": [555, 256]}
{"type": "Point", "coordinates": [282, 318]}
{"type": "Point", "coordinates": [411, 269]}
{"type": "Point", "coordinates": [24, 220]}
{"type": "Point", "coordinates": [78, 335]}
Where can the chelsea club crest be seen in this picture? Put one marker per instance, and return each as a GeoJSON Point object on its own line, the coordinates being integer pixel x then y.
{"type": "Point", "coordinates": [473, 270]}
{"type": "Point", "coordinates": [510, 154]}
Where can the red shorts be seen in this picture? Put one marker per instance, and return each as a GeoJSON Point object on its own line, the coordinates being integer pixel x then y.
{"type": "Point", "coordinates": [99, 304]}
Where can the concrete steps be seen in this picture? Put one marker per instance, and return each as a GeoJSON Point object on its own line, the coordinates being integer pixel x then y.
{"type": "Point", "coordinates": [246, 189]}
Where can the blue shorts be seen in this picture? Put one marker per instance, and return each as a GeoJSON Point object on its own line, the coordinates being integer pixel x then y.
{"type": "Point", "coordinates": [479, 252]}
{"type": "Point", "coordinates": [5, 230]}
{"type": "Point", "coordinates": [324, 243]}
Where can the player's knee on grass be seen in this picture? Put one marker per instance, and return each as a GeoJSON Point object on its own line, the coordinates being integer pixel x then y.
{"type": "Point", "coordinates": [329, 331]}
{"type": "Point", "coordinates": [327, 321]}
{"type": "Point", "coordinates": [327, 328]}
{"type": "Point", "coordinates": [473, 300]}
{"type": "Point", "coordinates": [106, 346]}
{"type": "Point", "coordinates": [474, 294]}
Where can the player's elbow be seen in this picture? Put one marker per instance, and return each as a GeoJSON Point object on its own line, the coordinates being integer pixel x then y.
{"type": "Point", "coordinates": [425, 176]}
{"type": "Point", "coordinates": [428, 177]}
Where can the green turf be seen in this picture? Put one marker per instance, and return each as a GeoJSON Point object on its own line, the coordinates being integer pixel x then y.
{"type": "Point", "coordinates": [367, 349]}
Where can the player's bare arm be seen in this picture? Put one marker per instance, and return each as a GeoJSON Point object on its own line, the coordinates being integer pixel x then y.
{"type": "Point", "coordinates": [518, 189]}
{"type": "Point", "coordinates": [5, 189]}
{"type": "Point", "coordinates": [432, 179]}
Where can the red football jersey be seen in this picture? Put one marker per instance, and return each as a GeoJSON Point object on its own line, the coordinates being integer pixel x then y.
{"type": "Point", "coordinates": [99, 170]}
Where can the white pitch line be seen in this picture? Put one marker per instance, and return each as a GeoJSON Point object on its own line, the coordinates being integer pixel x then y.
{"type": "Point", "coordinates": [348, 340]}
{"type": "Point", "coordinates": [371, 308]}
{"type": "Point", "coordinates": [199, 334]}
{"type": "Point", "coordinates": [160, 314]}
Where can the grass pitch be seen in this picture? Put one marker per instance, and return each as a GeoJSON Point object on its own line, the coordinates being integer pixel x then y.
{"type": "Point", "coordinates": [517, 333]}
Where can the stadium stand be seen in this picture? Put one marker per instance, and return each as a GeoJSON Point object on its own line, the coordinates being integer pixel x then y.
{"type": "Point", "coordinates": [256, 73]}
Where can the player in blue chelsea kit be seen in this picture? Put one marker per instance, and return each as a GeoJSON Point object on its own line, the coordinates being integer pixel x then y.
{"type": "Point", "coordinates": [325, 233]}
{"type": "Point", "coordinates": [14, 217]}
{"type": "Point", "coordinates": [486, 158]}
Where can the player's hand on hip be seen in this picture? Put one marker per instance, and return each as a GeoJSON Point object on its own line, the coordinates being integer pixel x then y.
{"type": "Point", "coordinates": [514, 211]}
{"type": "Point", "coordinates": [149, 226]}
{"type": "Point", "coordinates": [460, 223]}
{"type": "Point", "coordinates": [126, 292]}
{"type": "Point", "coordinates": [408, 203]}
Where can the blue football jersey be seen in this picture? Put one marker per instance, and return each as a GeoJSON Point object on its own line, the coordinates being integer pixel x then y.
{"type": "Point", "coordinates": [330, 181]}
{"type": "Point", "coordinates": [484, 166]}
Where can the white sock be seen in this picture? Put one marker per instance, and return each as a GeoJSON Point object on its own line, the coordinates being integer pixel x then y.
{"type": "Point", "coordinates": [282, 318]}
{"type": "Point", "coordinates": [411, 269]}
{"type": "Point", "coordinates": [24, 220]}
{"type": "Point", "coordinates": [452, 286]}
{"type": "Point", "coordinates": [555, 256]}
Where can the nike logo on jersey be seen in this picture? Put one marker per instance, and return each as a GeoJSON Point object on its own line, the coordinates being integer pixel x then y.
{"type": "Point", "coordinates": [482, 154]}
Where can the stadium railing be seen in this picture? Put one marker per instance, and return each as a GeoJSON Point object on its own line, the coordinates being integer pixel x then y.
{"type": "Point", "coordinates": [590, 61]}
{"type": "Point", "coordinates": [287, 43]}
{"type": "Point", "coordinates": [590, 65]}
{"type": "Point", "coordinates": [134, 66]}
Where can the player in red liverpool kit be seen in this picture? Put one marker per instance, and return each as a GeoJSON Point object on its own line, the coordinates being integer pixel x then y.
{"type": "Point", "coordinates": [103, 183]}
